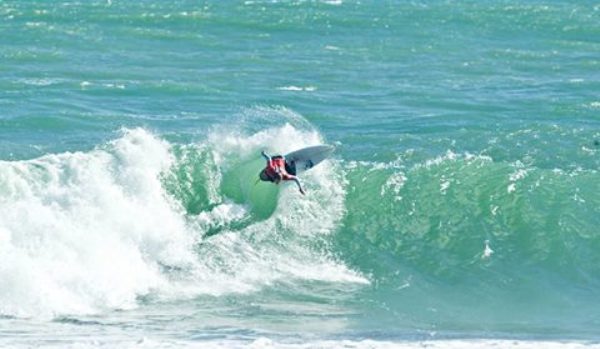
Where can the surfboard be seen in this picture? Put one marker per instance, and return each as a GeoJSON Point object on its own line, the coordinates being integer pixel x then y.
{"type": "Point", "coordinates": [306, 158]}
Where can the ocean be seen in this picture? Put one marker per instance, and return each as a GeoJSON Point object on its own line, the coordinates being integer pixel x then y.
{"type": "Point", "coordinates": [461, 208]}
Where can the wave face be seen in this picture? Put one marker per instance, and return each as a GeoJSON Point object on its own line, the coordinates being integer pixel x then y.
{"type": "Point", "coordinates": [463, 240]}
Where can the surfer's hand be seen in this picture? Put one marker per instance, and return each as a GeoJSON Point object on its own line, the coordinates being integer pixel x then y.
{"type": "Point", "coordinates": [302, 191]}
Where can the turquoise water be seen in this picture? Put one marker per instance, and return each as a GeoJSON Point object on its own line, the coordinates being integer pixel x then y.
{"type": "Point", "coordinates": [461, 208]}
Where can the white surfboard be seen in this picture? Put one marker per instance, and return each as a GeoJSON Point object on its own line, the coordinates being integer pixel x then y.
{"type": "Point", "coordinates": [306, 158]}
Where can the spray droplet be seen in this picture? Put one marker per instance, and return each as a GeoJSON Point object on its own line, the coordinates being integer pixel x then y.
{"type": "Point", "coordinates": [487, 250]}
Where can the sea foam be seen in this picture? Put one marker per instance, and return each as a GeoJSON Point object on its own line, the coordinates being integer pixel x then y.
{"type": "Point", "coordinates": [86, 232]}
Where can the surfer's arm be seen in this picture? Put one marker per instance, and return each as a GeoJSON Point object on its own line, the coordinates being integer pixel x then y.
{"type": "Point", "coordinates": [267, 157]}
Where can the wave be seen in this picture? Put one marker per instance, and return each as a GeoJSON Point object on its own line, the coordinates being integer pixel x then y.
{"type": "Point", "coordinates": [141, 219]}
{"type": "Point", "coordinates": [85, 232]}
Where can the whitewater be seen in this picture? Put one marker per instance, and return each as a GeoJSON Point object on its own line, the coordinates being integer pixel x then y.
{"type": "Point", "coordinates": [87, 232]}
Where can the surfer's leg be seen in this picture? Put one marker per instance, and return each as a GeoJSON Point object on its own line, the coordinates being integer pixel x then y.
{"type": "Point", "coordinates": [297, 180]}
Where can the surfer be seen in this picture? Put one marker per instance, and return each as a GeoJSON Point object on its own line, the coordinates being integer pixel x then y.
{"type": "Point", "coordinates": [276, 171]}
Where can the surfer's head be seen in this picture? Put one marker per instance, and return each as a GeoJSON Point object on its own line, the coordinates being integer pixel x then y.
{"type": "Point", "coordinates": [266, 177]}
